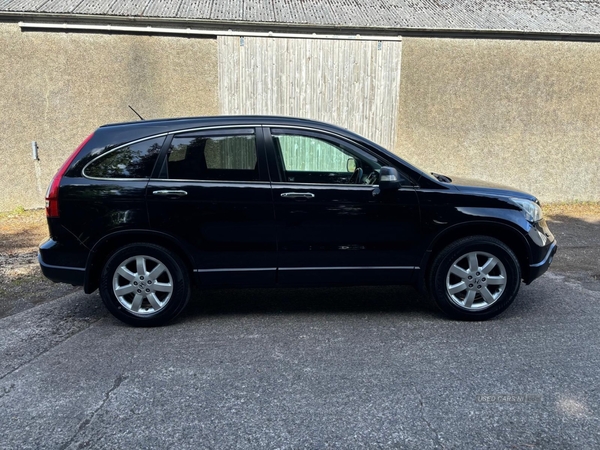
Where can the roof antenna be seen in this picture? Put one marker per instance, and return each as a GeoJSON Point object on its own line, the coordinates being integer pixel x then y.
{"type": "Point", "coordinates": [136, 113]}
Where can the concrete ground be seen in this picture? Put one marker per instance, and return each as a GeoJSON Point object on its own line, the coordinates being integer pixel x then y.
{"type": "Point", "coordinates": [579, 248]}
{"type": "Point", "coordinates": [314, 368]}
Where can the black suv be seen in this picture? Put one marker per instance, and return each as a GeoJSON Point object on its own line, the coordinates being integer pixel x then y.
{"type": "Point", "coordinates": [142, 210]}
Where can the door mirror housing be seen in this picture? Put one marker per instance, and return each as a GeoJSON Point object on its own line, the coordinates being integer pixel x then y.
{"type": "Point", "coordinates": [389, 178]}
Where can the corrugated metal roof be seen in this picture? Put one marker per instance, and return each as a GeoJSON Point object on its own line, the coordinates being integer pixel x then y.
{"type": "Point", "coordinates": [541, 16]}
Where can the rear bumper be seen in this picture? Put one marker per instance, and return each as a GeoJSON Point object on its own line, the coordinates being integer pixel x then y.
{"type": "Point", "coordinates": [54, 270]}
{"type": "Point", "coordinates": [538, 269]}
{"type": "Point", "coordinates": [60, 274]}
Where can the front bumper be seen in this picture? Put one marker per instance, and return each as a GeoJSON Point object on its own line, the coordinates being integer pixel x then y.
{"type": "Point", "coordinates": [538, 269]}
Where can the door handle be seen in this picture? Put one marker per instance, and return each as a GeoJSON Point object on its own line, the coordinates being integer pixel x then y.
{"type": "Point", "coordinates": [170, 193]}
{"type": "Point", "coordinates": [298, 195]}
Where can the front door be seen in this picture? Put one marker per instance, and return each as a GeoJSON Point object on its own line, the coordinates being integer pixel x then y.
{"type": "Point", "coordinates": [333, 224]}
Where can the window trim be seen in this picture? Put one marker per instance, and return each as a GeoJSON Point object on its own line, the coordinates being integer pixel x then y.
{"type": "Point", "coordinates": [332, 145]}
{"type": "Point", "coordinates": [160, 169]}
{"type": "Point", "coordinates": [334, 185]}
{"type": "Point", "coordinates": [275, 167]}
{"type": "Point", "coordinates": [275, 164]}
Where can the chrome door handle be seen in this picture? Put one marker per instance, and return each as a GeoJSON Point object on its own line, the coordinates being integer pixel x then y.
{"type": "Point", "coordinates": [298, 195]}
{"type": "Point", "coordinates": [170, 193]}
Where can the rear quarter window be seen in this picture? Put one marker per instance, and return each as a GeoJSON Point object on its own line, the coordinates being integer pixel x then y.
{"type": "Point", "coordinates": [131, 161]}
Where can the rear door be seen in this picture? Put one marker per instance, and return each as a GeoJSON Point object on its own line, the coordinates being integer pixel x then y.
{"type": "Point", "coordinates": [213, 194]}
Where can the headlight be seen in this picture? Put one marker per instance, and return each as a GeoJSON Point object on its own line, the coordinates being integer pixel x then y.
{"type": "Point", "coordinates": [531, 210]}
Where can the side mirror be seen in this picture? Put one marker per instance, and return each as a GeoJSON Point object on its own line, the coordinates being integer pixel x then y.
{"type": "Point", "coordinates": [389, 179]}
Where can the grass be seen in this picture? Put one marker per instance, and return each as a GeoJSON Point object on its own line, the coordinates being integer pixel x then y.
{"type": "Point", "coordinates": [22, 216]}
{"type": "Point", "coordinates": [19, 210]}
{"type": "Point", "coordinates": [22, 230]}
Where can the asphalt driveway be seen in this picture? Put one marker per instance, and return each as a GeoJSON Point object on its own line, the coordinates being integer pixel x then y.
{"type": "Point", "coordinates": [332, 368]}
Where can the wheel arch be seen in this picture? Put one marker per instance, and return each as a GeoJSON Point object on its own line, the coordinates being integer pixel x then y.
{"type": "Point", "coordinates": [102, 250]}
{"type": "Point", "coordinates": [507, 234]}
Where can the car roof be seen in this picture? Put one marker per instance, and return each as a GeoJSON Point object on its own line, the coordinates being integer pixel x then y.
{"type": "Point", "coordinates": [202, 121]}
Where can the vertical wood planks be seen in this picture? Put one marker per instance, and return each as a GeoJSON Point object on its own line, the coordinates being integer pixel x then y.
{"type": "Point", "coordinates": [351, 83]}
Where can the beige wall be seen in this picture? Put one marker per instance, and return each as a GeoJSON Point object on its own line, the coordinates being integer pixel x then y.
{"type": "Point", "coordinates": [523, 113]}
{"type": "Point", "coordinates": [56, 88]}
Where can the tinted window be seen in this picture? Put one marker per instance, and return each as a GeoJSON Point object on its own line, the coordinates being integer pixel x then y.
{"type": "Point", "coordinates": [133, 161]}
{"type": "Point", "coordinates": [230, 158]}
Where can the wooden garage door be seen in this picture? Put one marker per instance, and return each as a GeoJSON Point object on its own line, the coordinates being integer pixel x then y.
{"type": "Point", "coordinates": [352, 83]}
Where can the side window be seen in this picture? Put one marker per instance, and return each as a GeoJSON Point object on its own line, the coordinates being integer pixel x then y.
{"type": "Point", "coordinates": [212, 157]}
{"type": "Point", "coordinates": [308, 154]}
{"type": "Point", "coordinates": [309, 159]}
{"type": "Point", "coordinates": [132, 161]}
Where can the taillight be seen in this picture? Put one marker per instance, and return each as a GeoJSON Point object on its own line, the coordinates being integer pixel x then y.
{"type": "Point", "coordinates": [52, 192]}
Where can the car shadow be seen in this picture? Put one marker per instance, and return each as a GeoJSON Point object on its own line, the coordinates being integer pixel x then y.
{"type": "Point", "coordinates": [389, 299]}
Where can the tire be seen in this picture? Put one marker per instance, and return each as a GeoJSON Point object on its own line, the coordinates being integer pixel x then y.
{"type": "Point", "coordinates": [495, 278]}
{"type": "Point", "coordinates": [144, 285]}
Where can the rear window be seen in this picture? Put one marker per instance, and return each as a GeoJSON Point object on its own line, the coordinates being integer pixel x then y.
{"type": "Point", "coordinates": [132, 161]}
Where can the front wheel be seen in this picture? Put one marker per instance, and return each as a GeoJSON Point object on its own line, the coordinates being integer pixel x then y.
{"type": "Point", "coordinates": [144, 285]}
{"type": "Point", "coordinates": [475, 278]}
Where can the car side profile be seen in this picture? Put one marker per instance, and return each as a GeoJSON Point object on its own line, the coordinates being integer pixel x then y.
{"type": "Point", "coordinates": [144, 210]}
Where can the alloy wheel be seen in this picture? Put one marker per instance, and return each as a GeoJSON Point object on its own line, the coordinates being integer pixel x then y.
{"type": "Point", "coordinates": [476, 280]}
{"type": "Point", "coordinates": [142, 285]}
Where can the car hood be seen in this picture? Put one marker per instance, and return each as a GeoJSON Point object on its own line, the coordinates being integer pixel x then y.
{"type": "Point", "coordinates": [471, 185]}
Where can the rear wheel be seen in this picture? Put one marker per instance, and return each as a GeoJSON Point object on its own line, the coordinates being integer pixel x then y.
{"type": "Point", "coordinates": [475, 278]}
{"type": "Point", "coordinates": [144, 285]}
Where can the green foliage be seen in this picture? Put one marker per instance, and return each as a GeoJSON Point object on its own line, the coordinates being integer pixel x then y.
{"type": "Point", "coordinates": [14, 212]}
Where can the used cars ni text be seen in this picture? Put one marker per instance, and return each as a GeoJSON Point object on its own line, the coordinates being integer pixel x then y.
{"type": "Point", "coordinates": [144, 210]}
